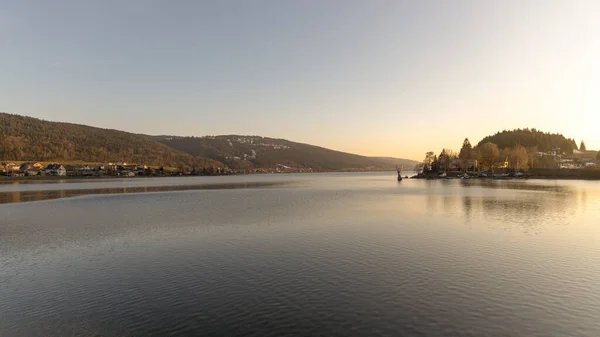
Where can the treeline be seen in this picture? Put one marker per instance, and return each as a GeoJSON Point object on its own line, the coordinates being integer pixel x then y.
{"type": "Point", "coordinates": [530, 138]}
{"type": "Point", "coordinates": [31, 139]}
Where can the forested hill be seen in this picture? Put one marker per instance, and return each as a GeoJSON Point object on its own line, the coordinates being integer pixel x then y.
{"type": "Point", "coordinates": [26, 138]}
{"type": "Point", "coordinates": [31, 139]}
{"type": "Point", "coordinates": [260, 152]}
{"type": "Point", "coordinates": [530, 138]}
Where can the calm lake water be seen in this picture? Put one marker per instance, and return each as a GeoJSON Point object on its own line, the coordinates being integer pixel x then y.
{"type": "Point", "coordinates": [302, 255]}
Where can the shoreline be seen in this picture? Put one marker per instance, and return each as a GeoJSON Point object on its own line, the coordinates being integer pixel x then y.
{"type": "Point", "coordinates": [594, 176]}
{"type": "Point", "coordinates": [40, 178]}
{"type": "Point", "coordinates": [537, 174]}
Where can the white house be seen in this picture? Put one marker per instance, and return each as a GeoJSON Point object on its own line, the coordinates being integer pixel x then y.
{"type": "Point", "coordinates": [56, 170]}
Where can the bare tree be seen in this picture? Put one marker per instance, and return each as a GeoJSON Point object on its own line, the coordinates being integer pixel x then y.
{"type": "Point", "coordinates": [532, 156]}
{"type": "Point", "coordinates": [518, 158]}
{"type": "Point", "coordinates": [429, 159]}
{"type": "Point", "coordinates": [488, 153]}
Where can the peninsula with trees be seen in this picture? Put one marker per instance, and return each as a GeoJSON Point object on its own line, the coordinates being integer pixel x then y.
{"type": "Point", "coordinates": [520, 152]}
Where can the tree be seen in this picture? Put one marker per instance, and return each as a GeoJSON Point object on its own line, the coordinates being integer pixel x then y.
{"type": "Point", "coordinates": [466, 154]}
{"type": "Point", "coordinates": [2, 147]}
{"type": "Point", "coordinates": [598, 156]}
{"type": "Point", "coordinates": [518, 158]}
{"type": "Point", "coordinates": [582, 146]}
{"type": "Point", "coordinates": [444, 160]}
{"type": "Point", "coordinates": [435, 164]}
{"type": "Point", "coordinates": [532, 156]}
{"type": "Point", "coordinates": [488, 153]}
{"type": "Point", "coordinates": [429, 159]}
{"type": "Point", "coordinates": [548, 162]}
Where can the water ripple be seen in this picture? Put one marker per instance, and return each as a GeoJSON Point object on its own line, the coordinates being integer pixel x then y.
{"type": "Point", "coordinates": [320, 260]}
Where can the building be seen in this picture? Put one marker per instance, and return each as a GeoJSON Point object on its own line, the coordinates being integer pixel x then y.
{"type": "Point", "coordinates": [502, 164]}
{"type": "Point", "coordinates": [56, 170]}
{"type": "Point", "coordinates": [31, 168]}
{"type": "Point", "coordinates": [8, 167]}
{"type": "Point", "coordinates": [567, 164]}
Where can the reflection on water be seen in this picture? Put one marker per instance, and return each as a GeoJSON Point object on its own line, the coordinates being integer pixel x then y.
{"type": "Point", "coordinates": [328, 255]}
{"type": "Point", "coordinates": [24, 196]}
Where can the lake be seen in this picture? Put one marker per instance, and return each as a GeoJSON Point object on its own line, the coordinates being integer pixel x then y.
{"type": "Point", "coordinates": [356, 254]}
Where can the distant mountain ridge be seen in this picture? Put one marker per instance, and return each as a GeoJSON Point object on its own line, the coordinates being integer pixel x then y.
{"type": "Point", "coordinates": [30, 139]}
{"type": "Point", "coordinates": [242, 152]}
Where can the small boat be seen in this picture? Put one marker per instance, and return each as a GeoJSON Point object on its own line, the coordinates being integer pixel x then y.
{"type": "Point", "coordinates": [399, 170]}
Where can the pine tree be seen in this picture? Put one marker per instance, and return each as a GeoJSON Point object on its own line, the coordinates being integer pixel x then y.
{"type": "Point", "coordinates": [582, 146]}
{"type": "Point", "coordinates": [466, 152]}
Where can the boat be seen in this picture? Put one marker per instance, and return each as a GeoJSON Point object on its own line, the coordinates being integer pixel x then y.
{"type": "Point", "coordinates": [399, 170]}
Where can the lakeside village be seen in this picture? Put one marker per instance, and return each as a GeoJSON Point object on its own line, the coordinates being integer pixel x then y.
{"type": "Point", "coordinates": [121, 169]}
{"type": "Point", "coordinates": [488, 161]}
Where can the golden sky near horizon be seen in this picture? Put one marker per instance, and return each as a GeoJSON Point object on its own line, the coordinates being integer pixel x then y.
{"type": "Point", "coordinates": [375, 78]}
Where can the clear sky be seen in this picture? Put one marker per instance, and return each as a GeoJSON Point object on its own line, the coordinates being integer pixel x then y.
{"type": "Point", "coordinates": [374, 77]}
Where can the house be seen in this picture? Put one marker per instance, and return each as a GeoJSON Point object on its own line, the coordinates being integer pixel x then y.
{"type": "Point", "coordinates": [110, 167]}
{"type": "Point", "coordinates": [70, 169]}
{"type": "Point", "coordinates": [28, 169]}
{"type": "Point", "coordinates": [56, 170]}
{"type": "Point", "coordinates": [24, 167]}
{"type": "Point", "coordinates": [7, 167]}
{"type": "Point", "coordinates": [502, 164]}
{"type": "Point", "coordinates": [31, 166]}
{"type": "Point", "coordinates": [567, 164]}
{"type": "Point", "coordinates": [130, 167]}
{"type": "Point", "coordinates": [142, 169]}
{"type": "Point", "coordinates": [86, 171]}
{"type": "Point", "coordinates": [127, 174]}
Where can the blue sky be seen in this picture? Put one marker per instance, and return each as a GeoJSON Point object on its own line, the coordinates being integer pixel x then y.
{"type": "Point", "coordinates": [393, 78]}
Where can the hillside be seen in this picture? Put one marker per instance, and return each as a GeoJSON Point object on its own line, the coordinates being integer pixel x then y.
{"type": "Point", "coordinates": [530, 138]}
{"type": "Point", "coordinates": [259, 152]}
{"type": "Point", "coordinates": [26, 138]}
{"type": "Point", "coordinates": [31, 139]}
